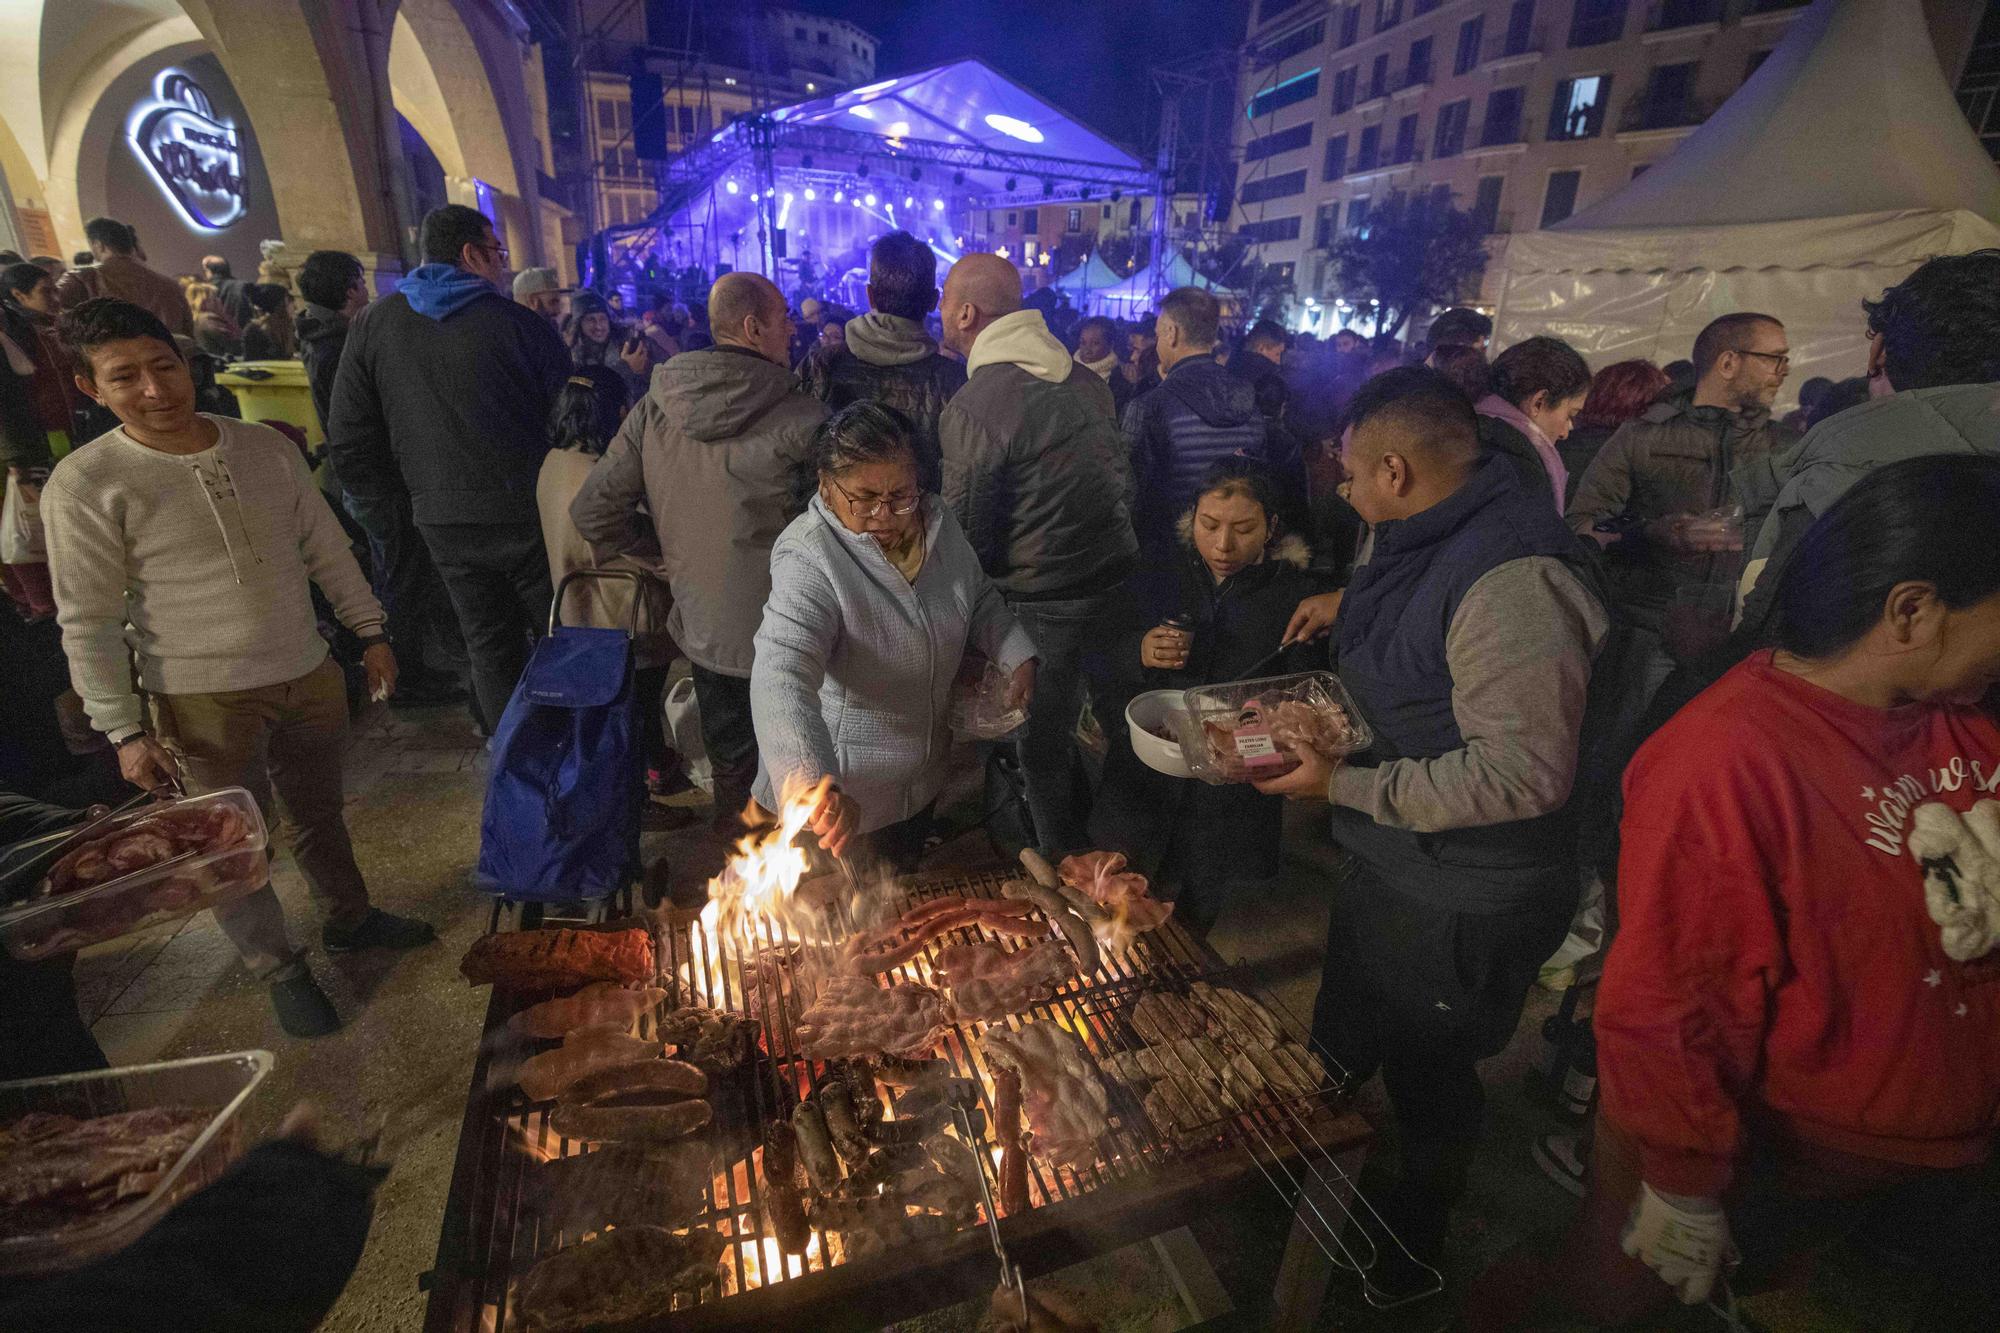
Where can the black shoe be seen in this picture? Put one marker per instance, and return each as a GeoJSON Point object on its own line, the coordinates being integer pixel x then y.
{"type": "Point", "coordinates": [658, 818]}
{"type": "Point", "coordinates": [426, 692]}
{"type": "Point", "coordinates": [378, 930]}
{"type": "Point", "coordinates": [303, 1009]}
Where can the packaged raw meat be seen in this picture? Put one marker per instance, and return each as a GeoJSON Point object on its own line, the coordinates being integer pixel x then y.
{"type": "Point", "coordinates": [1250, 730]}
{"type": "Point", "coordinates": [978, 708]}
{"type": "Point", "coordinates": [156, 863]}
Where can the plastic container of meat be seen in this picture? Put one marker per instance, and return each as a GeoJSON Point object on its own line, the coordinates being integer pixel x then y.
{"type": "Point", "coordinates": [1249, 730]}
{"type": "Point", "coordinates": [173, 881]}
{"type": "Point", "coordinates": [978, 709]}
{"type": "Point", "coordinates": [215, 1084]}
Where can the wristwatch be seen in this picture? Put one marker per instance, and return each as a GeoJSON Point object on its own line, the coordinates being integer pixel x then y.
{"type": "Point", "coordinates": [370, 640]}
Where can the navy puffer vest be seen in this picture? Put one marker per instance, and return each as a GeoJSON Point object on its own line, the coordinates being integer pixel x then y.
{"type": "Point", "coordinates": [1391, 656]}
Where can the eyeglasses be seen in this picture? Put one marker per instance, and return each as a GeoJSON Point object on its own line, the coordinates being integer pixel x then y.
{"type": "Point", "coordinates": [1783, 360]}
{"type": "Point", "coordinates": [498, 249]}
{"type": "Point", "coordinates": [901, 504]}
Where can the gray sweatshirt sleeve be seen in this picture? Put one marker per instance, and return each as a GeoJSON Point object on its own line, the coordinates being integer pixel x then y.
{"type": "Point", "coordinates": [1520, 649]}
{"type": "Point", "coordinates": [607, 509]}
{"type": "Point", "coordinates": [328, 559]}
{"type": "Point", "coordinates": [87, 567]}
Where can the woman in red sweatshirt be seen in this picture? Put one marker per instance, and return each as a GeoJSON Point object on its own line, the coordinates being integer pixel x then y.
{"type": "Point", "coordinates": [1801, 1010]}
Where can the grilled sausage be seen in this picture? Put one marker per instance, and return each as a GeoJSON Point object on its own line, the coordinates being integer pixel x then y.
{"type": "Point", "coordinates": [656, 1080]}
{"type": "Point", "coordinates": [1007, 1128]}
{"type": "Point", "coordinates": [815, 1146]}
{"type": "Point", "coordinates": [630, 1124]}
{"type": "Point", "coordinates": [1038, 866]}
{"type": "Point", "coordinates": [837, 1103]}
{"type": "Point", "coordinates": [781, 1189]}
{"type": "Point", "coordinates": [1057, 909]}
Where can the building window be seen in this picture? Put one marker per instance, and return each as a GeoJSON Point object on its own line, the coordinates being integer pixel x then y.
{"type": "Point", "coordinates": [1013, 219]}
{"type": "Point", "coordinates": [1378, 77]}
{"type": "Point", "coordinates": [1357, 213]}
{"type": "Point", "coordinates": [1470, 34]}
{"type": "Point", "coordinates": [1503, 117]}
{"type": "Point", "coordinates": [1440, 201]}
{"type": "Point", "coordinates": [1669, 101]}
{"type": "Point", "coordinates": [1578, 109]}
{"type": "Point", "coordinates": [1292, 43]}
{"type": "Point", "coordinates": [1486, 204]}
{"type": "Point", "coordinates": [1343, 88]}
{"type": "Point", "coordinates": [1368, 153]}
{"type": "Point", "coordinates": [1075, 219]}
{"type": "Point", "coordinates": [686, 118]}
{"type": "Point", "coordinates": [1596, 22]}
{"type": "Point", "coordinates": [1031, 221]}
{"type": "Point", "coordinates": [1388, 13]}
{"type": "Point", "coordinates": [1270, 9]}
{"type": "Point", "coordinates": [1685, 14]}
{"type": "Point", "coordinates": [824, 40]}
{"type": "Point", "coordinates": [1284, 141]}
{"type": "Point", "coordinates": [1336, 158]}
{"type": "Point", "coordinates": [798, 34]}
{"type": "Point", "coordinates": [1560, 201]}
{"type": "Point", "coordinates": [1406, 139]}
{"type": "Point", "coordinates": [1326, 222]}
{"type": "Point", "coordinates": [1423, 7]}
{"type": "Point", "coordinates": [1452, 120]}
{"type": "Point", "coordinates": [1420, 62]}
{"type": "Point", "coordinates": [1298, 88]}
{"type": "Point", "coordinates": [1271, 187]}
{"type": "Point", "coordinates": [1350, 25]}
{"type": "Point", "coordinates": [1274, 229]}
{"type": "Point", "coordinates": [1520, 37]}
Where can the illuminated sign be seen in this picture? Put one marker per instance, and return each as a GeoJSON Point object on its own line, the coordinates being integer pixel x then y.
{"type": "Point", "coordinates": [197, 159]}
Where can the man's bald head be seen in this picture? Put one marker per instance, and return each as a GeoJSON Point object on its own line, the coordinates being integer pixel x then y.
{"type": "Point", "coordinates": [747, 310]}
{"type": "Point", "coordinates": [979, 289]}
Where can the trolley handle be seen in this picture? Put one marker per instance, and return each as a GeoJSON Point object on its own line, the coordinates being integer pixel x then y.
{"type": "Point", "coordinates": [638, 591]}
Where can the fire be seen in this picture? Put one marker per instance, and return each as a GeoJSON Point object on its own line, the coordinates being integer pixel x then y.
{"type": "Point", "coordinates": [760, 879]}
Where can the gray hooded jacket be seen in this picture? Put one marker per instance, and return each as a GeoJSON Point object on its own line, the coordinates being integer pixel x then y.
{"type": "Point", "coordinates": [712, 451]}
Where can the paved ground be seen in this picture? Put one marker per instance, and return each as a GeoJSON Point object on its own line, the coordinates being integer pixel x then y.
{"type": "Point", "coordinates": [415, 782]}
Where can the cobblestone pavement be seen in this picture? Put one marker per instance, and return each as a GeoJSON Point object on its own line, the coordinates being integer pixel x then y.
{"type": "Point", "coordinates": [414, 785]}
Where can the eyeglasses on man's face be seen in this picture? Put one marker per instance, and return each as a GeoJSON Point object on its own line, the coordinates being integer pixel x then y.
{"type": "Point", "coordinates": [901, 504]}
{"type": "Point", "coordinates": [1779, 360]}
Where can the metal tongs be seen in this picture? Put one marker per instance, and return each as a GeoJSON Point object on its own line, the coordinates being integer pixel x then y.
{"type": "Point", "coordinates": [1010, 1272]}
{"type": "Point", "coordinates": [30, 870]}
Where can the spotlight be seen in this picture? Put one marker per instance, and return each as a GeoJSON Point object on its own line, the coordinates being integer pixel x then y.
{"type": "Point", "coordinates": [840, 196]}
{"type": "Point", "coordinates": [1048, 188]}
{"type": "Point", "coordinates": [731, 186]}
{"type": "Point", "coordinates": [916, 173]}
{"type": "Point", "coordinates": [861, 169]}
{"type": "Point", "coordinates": [806, 162]}
{"type": "Point", "coordinates": [871, 201]}
{"type": "Point", "coordinates": [958, 178]}
{"type": "Point", "coordinates": [1011, 183]}
{"type": "Point", "coordinates": [908, 202]}
{"type": "Point", "coordinates": [937, 205]}
{"type": "Point", "coordinates": [811, 194]}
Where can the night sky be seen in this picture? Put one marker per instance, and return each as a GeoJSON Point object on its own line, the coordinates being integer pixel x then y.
{"type": "Point", "coordinates": [1088, 57]}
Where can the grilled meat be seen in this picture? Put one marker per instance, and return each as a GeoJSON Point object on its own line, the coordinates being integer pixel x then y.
{"type": "Point", "coordinates": [1061, 915]}
{"type": "Point", "coordinates": [1235, 1017]}
{"type": "Point", "coordinates": [987, 982]}
{"type": "Point", "coordinates": [710, 1039]}
{"type": "Point", "coordinates": [622, 1275]}
{"type": "Point", "coordinates": [622, 1185]}
{"type": "Point", "coordinates": [815, 1145]}
{"type": "Point", "coordinates": [545, 960]}
{"type": "Point", "coordinates": [598, 1003]}
{"type": "Point", "coordinates": [659, 1080]}
{"type": "Point", "coordinates": [1007, 1129]}
{"type": "Point", "coordinates": [545, 1075]}
{"type": "Point", "coordinates": [854, 1016]}
{"type": "Point", "coordinates": [1064, 1102]}
{"type": "Point", "coordinates": [1160, 1017]}
{"type": "Point", "coordinates": [649, 1124]}
{"type": "Point", "coordinates": [783, 1199]}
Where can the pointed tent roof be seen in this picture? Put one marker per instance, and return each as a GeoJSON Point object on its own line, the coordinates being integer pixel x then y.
{"type": "Point", "coordinates": [966, 102]}
{"type": "Point", "coordinates": [1849, 115]}
{"type": "Point", "coordinates": [1093, 275]}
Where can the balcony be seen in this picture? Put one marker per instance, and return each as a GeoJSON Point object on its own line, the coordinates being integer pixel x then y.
{"type": "Point", "coordinates": [1516, 48]}
{"type": "Point", "coordinates": [1682, 18]}
{"type": "Point", "coordinates": [1648, 115]}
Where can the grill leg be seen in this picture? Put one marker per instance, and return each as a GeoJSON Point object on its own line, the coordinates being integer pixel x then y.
{"type": "Point", "coordinates": [1305, 1269]}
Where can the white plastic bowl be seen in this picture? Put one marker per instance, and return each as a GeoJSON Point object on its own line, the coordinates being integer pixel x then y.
{"type": "Point", "coordinates": [1155, 711]}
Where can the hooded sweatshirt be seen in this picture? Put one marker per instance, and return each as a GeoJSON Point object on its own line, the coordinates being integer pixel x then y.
{"type": "Point", "coordinates": [322, 335]}
{"type": "Point", "coordinates": [889, 360]}
{"type": "Point", "coordinates": [445, 385]}
{"type": "Point", "coordinates": [714, 453]}
{"type": "Point", "coordinates": [1034, 466]}
{"type": "Point", "coordinates": [198, 564]}
{"type": "Point", "coordinates": [1200, 415]}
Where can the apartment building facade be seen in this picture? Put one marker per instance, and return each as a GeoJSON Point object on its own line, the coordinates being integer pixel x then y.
{"type": "Point", "coordinates": [1519, 112]}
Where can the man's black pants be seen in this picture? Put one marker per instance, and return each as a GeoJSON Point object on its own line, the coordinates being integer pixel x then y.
{"type": "Point", "coordinates": [1423, 994]}
{"type": "Point", "coordinates": [498, 578]}
{"type": "Point", "coordinates": [731, 740]}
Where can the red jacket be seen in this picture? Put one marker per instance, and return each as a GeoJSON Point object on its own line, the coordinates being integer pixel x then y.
{"type": "Point", "coordinates": [1775, 960]}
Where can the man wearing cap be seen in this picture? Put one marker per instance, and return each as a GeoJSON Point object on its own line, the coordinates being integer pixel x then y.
{"type": "Point", "coordinates": [541, 291]}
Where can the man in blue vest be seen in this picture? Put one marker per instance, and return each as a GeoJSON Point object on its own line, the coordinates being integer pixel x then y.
{"type": "Point", "coordinates": [1466, 637]}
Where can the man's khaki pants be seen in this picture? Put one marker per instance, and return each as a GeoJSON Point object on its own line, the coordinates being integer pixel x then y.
{"type": "Point", "coordinates": [290, 737]}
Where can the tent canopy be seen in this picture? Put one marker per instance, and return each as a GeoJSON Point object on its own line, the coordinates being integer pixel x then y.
{"type": "Point", "coordinates": [1840, 166]}
{"type": "Point", "coordinates": [1093, 275]}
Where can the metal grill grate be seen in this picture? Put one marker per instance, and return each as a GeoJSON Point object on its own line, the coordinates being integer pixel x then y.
{"type": "Point", "coordinates": [1290, 1140]}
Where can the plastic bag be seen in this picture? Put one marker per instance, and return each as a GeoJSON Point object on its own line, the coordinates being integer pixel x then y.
{"type": "Point", "coordinates": [978, 709]}
{"type": "Point", "coordinates": [21, 540]}
{"type": "Point", "coordinates": [683, 721]}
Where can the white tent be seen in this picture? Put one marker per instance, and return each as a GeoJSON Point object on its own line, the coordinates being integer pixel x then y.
{"type": "Point", "coordinates": [1134, 296]}
{"type": "Point", "coordinates": [1082, 283]}
{"type": "Point", "coordinates": [1841, 165]}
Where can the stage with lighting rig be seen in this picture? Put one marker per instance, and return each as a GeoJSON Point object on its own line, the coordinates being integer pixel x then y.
{"type": "Point", "coordinates": [798, 193]}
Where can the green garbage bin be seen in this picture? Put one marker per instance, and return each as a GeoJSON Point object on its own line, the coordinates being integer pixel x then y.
{"type": "Point", "coordinates": [275, 391]}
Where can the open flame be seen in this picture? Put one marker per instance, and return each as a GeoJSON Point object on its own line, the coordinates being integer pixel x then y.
{"type": "Point", "coordinates": [761, 878]}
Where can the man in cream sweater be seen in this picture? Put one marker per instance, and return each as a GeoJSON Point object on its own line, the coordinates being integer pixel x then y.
{"type": "Point", "coordinates": [187, 542]}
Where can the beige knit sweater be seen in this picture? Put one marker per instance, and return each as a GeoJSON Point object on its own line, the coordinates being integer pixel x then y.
{"type": "Point", "coordinates": [197, 564]}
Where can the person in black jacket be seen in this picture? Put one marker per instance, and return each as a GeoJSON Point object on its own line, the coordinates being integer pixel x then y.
{"type": "Point", "coordinates": [41, 1032]}
{"type": "Point", "coordinates": [444, 388]}
{"type": "Point", "coordinates": [1240, 577]}
{"type": "Point", "coordinates": [406, 583]}
{"type": "Point", "coordinates": [886, 356]}
{"type": "Point", "coordinates": [1200, 415]}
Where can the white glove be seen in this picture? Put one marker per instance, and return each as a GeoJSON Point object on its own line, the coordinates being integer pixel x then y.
{"type": "Point", "coordinates": [1683, 1239]}
{"type": "Point", "coordinates": [1960, 858]}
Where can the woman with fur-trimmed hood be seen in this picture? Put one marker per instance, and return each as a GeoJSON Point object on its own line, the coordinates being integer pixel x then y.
{"type": "Point", "coordinates": [1240, 578]}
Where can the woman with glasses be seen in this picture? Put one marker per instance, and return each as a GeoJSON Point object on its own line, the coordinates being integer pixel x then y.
{"type": "Point", "coordinates": [877, 601]}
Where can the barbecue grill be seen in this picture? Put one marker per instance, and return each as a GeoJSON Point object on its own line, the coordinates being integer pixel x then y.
{"type": "Point", "coordinates": [1147, 1178]}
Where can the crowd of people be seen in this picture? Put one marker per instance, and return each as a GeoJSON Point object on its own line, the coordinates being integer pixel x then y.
{"type": "Point", "coordinates": [1622, 637]}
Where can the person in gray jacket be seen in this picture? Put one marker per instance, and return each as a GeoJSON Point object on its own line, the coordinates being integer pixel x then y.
{"type": "Point", "coordinates": [712, 452]}
{"type": "Point", "coordinates": [876, 601]}
{"type": "Point", "coordinates": [1036, 472]}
